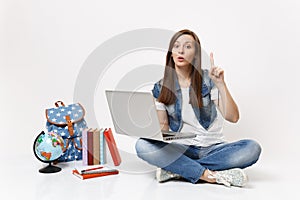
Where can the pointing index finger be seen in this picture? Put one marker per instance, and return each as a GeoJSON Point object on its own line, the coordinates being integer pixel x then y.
{"type": "Point", "coordinates": [212, 62]}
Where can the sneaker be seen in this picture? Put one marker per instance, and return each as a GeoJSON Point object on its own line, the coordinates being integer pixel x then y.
{"type": "Point", "coordinates": [231, 177]}
{"type": "Point", "coordinates": [163, 175]}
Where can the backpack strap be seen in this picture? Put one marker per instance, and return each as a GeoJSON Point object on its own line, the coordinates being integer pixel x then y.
{"type": "Point", "coordinates": [71, 132]}
{"type": "Point", "coordinates": [70, 129]}
{"type": "Point", "coordinates": [66, 147]}
{"type": "Point", "coordinates": [75, 144]}
{"type": "Point", "coordinates": [70, 125]}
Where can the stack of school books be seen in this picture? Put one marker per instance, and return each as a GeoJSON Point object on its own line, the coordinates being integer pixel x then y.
{"type": "Point", "coordinates": [94, 143]}
{"type": "Point", "coordinates": [94, 172]}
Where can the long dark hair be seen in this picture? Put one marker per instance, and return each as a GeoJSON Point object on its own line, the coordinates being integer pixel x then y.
{"type": "Point", "coordinates": [167, 95]}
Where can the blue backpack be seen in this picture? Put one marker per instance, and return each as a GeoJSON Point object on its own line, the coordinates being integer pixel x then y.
{"type": "Point", "coordinates": [68, 122]}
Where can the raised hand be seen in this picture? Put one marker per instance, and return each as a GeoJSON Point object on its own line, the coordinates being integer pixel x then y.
{"type": "Point", "coordinates": [215, 73]}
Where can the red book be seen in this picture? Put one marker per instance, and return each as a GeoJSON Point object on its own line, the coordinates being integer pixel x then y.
{"type": "Point", "coordinates": [112, 146]}
{"type": "Point", "coordinates": [94, 175]}
{"type": "Point", "coordinates": [90, 148]}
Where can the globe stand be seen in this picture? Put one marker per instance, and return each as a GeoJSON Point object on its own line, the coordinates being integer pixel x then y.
{"type": "Point", "coordinates": [50, 169]}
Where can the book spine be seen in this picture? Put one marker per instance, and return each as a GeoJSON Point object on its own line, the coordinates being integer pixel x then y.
{"type": "Point", "coordinates": [112, 147]}
{"type": "Point", "coordinates": [90, 147]}
{"type": "Point", "coordinates": [87, 176]}
{"type": "Point", "coordinates": [96, 147]}
{"type": "Point", "coordinates": [84, 147]}
{"type": "Point", "coordinates": [102, 148]}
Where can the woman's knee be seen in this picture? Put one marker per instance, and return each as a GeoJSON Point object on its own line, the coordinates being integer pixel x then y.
{"type": "Point", "coordinates": [146, 147]}
{"type": "Point", "coordinates": [252, 151]}
{"type": "Point", "coordinates": [246, 154]}
{"type": "Point", "coordinates": [140, 145]}
{"type": "Point", "coordinates": [144, 151]}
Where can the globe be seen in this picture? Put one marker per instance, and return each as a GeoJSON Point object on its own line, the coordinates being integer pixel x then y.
{"type": "Point", "coordinates": [47, 148]}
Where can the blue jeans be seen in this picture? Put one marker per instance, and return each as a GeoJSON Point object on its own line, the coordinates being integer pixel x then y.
{"type": "Point", "coordinates": [190, 162]}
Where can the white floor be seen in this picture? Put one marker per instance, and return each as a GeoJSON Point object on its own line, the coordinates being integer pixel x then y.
{"type": "Point", "coordinates": [20, 178]}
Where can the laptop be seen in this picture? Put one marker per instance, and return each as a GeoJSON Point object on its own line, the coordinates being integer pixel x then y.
{"type": "Point", "coordinates": [134, 114]}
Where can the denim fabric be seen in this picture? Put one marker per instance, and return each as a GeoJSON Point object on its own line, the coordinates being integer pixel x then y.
{"type": "Point", "coordinates": [191, 161]}
{"type": "Point", "coordinates": [205, 115]}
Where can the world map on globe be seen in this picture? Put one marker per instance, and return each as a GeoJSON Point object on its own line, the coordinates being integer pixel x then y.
{"type": "Point", "coordinates": [48, 146]}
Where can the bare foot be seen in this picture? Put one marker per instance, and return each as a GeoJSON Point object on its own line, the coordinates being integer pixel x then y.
{"type": "Point", "coordinates": [205, 176]}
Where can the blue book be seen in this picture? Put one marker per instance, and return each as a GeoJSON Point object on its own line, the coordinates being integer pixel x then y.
{"type": "Point", "coordinates": [102, 148]}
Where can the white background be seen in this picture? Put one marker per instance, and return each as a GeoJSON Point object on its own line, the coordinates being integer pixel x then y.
{"type": "Point", "coordinates": [43, 45]}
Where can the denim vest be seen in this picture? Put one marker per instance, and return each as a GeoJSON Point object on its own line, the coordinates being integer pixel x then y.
{"type": "Point", "coordinates": [205, 115]}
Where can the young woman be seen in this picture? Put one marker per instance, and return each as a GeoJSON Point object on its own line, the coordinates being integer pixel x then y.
{"type": "Point", "coordinates": [188, 99]}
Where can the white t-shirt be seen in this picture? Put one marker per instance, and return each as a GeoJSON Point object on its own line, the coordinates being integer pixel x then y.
{"type": "Point", "coordinates": [204, 137]}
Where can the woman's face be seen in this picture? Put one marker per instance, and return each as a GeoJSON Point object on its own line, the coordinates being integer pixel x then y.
{"type": "Point", "coordinates": [183, 51]}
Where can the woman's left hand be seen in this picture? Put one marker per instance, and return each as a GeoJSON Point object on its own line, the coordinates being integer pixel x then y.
{"type": "Point", "coordinates": [216, 73]}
